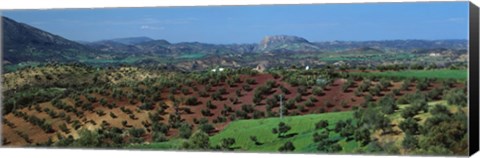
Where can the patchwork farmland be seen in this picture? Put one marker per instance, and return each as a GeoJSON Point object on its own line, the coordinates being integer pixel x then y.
{"type": "Point", "coordinates": [129, 105]}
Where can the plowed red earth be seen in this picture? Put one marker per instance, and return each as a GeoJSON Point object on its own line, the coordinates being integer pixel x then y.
{"type": "Point", "coordinates": [332, 94]}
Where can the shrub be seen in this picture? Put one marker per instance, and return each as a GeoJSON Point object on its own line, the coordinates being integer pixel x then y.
{"type": "Point", "coordinates": [328, 104]}
{"type": "Point", "coordinates": [206, 112]}
{"type": "Point", "coordinates": [136, 132]}
{"type": "Point", "coordinates": [317, 91]}
{"type": "Point", "coordinates": [321, 124]}
{"type": "Point", "coordinates": [284, 90]}
{"type": "Point", "coordinates": [301, 108]}
{"type": "Point", "coordinates": [288, 146]}
{"type": "Point", "coordinates": [302, 90]}
{"type": "Point", "coordinates": [64, 128]}
{"type": "Point", "coordinates": [255, 140]}
{"type": "Point", "coordinates": [281, 130]}
{"type": "Point", "coordinates": [410, 142]}
{"type": "Point", "coordinates": [258, 114]}
{"type": "Point", "coordinates": [185, 130]}
{"type": "Point", "coordinates": [227, 143]}
{"type": "Point", "coordinates": [456, 97]}
{"type": "Point", "coordinates": [409, 126]}
{"type": "Point", "coordinates": [388, 104]}
{"type": "Point", "coordinates": [362, 135]}
{"type": "Point", "coordinates": [191, 100]}
{"type": "Point", "coordinates": [199, 140]}
{"type": "Point", "coordinates": [298, 98]}
{"type": "Point", "coordinates": [210, 105]}
{"type": "Point", "coordinates": [251, 81]}
{"type": "Point", "coordinates": [159, 137]}
{"type": "Point", "coordinates": [309, 103]}
{"type": "Point", "coordinates": [206, 127]}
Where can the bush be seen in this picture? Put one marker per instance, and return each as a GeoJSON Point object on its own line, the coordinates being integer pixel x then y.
{"type": "Point", "coordinates": [159, 137]}
{"type": "Point", "coordinates": [251, 81]}
{"type": "Point", "coordinates": [290, 104]}
{"type": "Point", "coordinates": [199, 140]}
{"type": "Point", "coordinates": [301, 108]}
{"type": "Point", "coordinates": [160, 127]}
{"type": "Point", "coordinates": [409, 126]}
{"type": "Point", "coordinates": [302, 90]}
{"type": "Point", "coordinates": [191, 101]}
{"type": "Point", "coordinates": [456, 97]}
{"type": "Point", "coordinates": [288, 146]}
{"type": "Point", "coordinates": [388, 104]}
{"type": "Point", "coordinates": [410, 142]}
{"type": "Point", "coordinates": [206, 112]}
{"type": "Point", "coordinates": [64, 128]}
{"type": "Point", "coordinates": [362, 135]}
{"type": "Point", "coordinates": [258, 114]}
{"type": "Point", "coordinates": [281, 130]}
{"type": "Point", "coordinates": [247, 88]}
{"type": "Point", "coordinates": [284, 90]}
{"type": "Point", "coordinates": [255, 140]}
{"type": "Point", "coordinates": [298, 98]}
{"type": "Point", "coordinates": [439, 109]}
{"type": "Point", "coordinates": [206, 127]}
{"type": "Point", "coordinates": [317, 91]}
{"type": "Point", "coordinates": [345, 87]}
{"type": "Point", "coordinates": [203, 94]}
{"type": "Point", "coordinates": [422, 85]}
{"type": "Point", "coordinates": [210, 105]}
{"type": "Point", "coordinates": [375, 91]}
{"type": "Point", "coordinates": [321, 124]}
{"type": "Point", "coordinates": [309, 103]}
{"type": "Point", "coordinates": [136, 132]}
{"type": "Point", "coordinates": [227, 143]}
{"type": "Point", "coordinates": [87, 138]}
{"type": "Point", "coordinates": [185, 130]}
{"type": "Point", "coordinates": [238, 92]}
{"type": "Point", "coordinates": [248, 108]}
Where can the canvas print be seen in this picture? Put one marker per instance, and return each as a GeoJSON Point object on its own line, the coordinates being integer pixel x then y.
{"type": "Point", "coordinates": [370, 78]}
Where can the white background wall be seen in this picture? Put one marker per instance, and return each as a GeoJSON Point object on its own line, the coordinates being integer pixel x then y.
{"type": "Point", "coordinates": [83, 153]}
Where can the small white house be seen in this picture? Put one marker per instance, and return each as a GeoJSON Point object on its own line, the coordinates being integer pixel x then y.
{"type": "Point", "coordinates": [434, 54]}
{"type": "Point", "coordinates": [218, 69]}
{"type": "Point", "coordinates": [307, 67]}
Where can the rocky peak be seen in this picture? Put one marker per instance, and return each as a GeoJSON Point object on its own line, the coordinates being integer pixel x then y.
{"type": "Point", "coordinates": [268, 41]}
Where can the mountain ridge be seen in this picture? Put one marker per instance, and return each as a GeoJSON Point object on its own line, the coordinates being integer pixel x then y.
{"type": "Point", "coordinates": [23, 43]}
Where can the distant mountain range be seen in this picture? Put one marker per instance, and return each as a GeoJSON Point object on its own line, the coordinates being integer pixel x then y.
{"type": "Point", "coordinates": [274, 44]}
{"type": "Point", "coordinates": [24, 43]}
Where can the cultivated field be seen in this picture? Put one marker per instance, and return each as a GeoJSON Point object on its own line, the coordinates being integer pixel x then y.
{"type": "Point", "coordinates": [238, 109]}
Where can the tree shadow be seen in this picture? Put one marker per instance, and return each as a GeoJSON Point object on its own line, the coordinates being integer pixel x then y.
{"type": "Point", "coordinates": [259, 143]}
{"type": "Point", "coordinates": [289, 135]}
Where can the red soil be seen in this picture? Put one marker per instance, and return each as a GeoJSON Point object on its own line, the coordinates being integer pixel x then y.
{"type": "Point", "coordinates": [332, 94]}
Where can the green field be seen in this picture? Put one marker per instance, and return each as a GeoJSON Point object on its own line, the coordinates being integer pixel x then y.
{"type": "Point", "coordinates": [302, 126]}
{"type": "Point", "coordinates": [437, 74]}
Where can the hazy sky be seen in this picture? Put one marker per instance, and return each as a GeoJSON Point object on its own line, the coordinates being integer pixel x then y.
{"type": "Point", "coordinates": [248, 24]}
